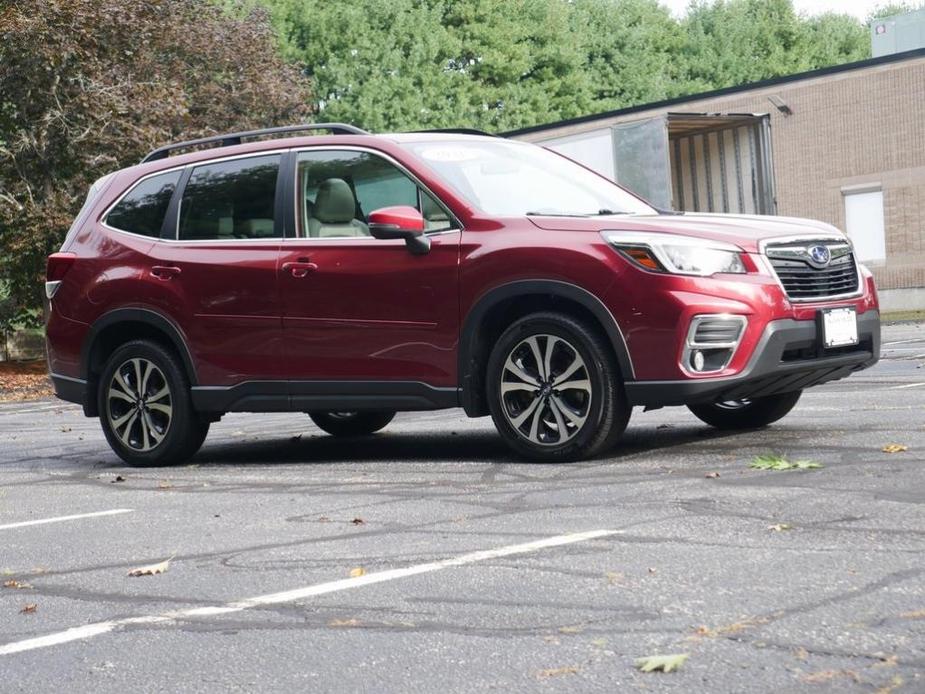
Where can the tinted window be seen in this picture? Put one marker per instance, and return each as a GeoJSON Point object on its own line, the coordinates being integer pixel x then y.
{"type": "Point", "coordinates": [230, 200]}
{"type": "Point", "coordinates": [339, 189]}
{"type": "Point", "coordinates": [142, 210]}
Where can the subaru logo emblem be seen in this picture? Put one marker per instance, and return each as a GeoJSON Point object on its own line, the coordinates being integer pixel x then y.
{"type": "Point", "coordinates": [819, 255]}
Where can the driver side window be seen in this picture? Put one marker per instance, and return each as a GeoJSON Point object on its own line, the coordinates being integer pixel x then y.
{"type": "Point", "coordinates": [337, 190]}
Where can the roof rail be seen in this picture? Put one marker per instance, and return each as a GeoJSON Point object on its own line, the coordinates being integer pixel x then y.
{"type": "Point", "coordinates": [458, 131]}
{"type": "Point", "coordinates": [237, 138]}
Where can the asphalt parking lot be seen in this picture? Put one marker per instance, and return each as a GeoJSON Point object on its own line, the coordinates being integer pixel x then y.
{"type": "Point", "coordinates": [427, 558]}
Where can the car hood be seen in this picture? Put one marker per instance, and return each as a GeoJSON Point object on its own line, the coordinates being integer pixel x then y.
{"type": "Point", "coordinates": [743, 230]}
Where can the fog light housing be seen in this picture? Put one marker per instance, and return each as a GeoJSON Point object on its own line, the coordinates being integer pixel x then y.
{"type": "Point", "coordinates": [712, 340]}
{"type": "Point", "coordinates": [697, 360]}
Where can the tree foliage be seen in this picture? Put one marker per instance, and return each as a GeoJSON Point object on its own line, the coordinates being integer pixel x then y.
{"type": "Point", "coordinates": [504, 64]}
{"type": "Point", "coordinates": [88, 86]}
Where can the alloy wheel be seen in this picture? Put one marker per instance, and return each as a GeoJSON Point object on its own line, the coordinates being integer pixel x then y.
{"type": "Point", "coordinates": [545, 390]}
{"type": "Point", "coordinates": [139, 405]}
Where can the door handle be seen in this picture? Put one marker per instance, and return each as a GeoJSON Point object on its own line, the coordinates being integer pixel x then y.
{"type": "Point", "coordinates": [299, 269]}
{"type": "Point", "coordinates": [165, 272]}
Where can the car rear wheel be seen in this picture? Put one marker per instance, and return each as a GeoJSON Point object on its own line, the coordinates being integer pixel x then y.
{"type": "Point", "coordinates": [746, 413]}
{"type": "Point", "coordinates": [351, 423]}
{"type": "Point", "coordinates": [145, 408]}
{"type": "Point", "coordinates": [554, 389]}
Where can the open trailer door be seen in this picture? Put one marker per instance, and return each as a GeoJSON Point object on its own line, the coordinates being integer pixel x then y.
{"type": "Point", "coordinates": [694, 162]}
{"type": "Point", "coordinates": [721, 162]}
{"type": "Point", "coordinates": [641, 159]}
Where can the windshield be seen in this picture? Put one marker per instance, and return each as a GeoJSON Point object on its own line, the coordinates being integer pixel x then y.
{"type": "Point", "coordinates": [510, 179]}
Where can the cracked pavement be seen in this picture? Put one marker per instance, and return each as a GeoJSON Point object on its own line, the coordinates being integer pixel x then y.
{"type": "Point", "coordinates": [834, 603]}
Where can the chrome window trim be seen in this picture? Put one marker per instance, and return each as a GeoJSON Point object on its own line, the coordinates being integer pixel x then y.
{"type": "Point", "coordinates": [456, 226]}
{"type": "Point", "coordinates": [157, 239]}
{"type": "Point", "coordinates": [809, 238]}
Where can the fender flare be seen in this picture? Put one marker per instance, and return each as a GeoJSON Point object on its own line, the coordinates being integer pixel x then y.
{"type": "Point", "coordinates": [137, 315]}
{"type": "Point", "coordinates": [469, 334]}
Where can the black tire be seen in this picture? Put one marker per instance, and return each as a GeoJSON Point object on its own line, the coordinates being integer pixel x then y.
{"type": "Point", "coordinates": [565, 424]}
{"type": "Point", "coordinates": [746, 414]}
{"type": "Point", "coordinates": [351, 423]}
{"type": "Point", "coordinates": [176, 435]}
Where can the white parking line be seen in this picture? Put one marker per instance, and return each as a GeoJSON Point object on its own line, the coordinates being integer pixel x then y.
{"type": "Point", "coordinates": [91, 630]}
{"type": "Point", "coordinates": [903, 342]}
{"type": "Point", "coordinates": [60, 519]}
{"type": "Point", "coordinates": [908, 385]}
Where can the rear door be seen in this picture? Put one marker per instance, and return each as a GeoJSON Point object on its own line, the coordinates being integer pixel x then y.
{"type": "Point", "coordinates": [366, 309]}
{"type": "Point", "coordinates": [220, 265]}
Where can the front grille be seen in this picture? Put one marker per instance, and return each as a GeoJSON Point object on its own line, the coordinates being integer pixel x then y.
{"type": "Point", "coordinates": [803, 278]}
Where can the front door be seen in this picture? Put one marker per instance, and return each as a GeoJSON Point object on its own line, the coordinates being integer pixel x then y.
{"type": "Point", "coordinates": [357, 308]}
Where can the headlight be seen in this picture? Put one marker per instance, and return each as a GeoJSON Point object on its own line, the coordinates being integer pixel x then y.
{"type": "Point", "coordinates": [680, 255]}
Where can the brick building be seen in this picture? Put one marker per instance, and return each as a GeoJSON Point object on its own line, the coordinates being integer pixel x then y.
{"type": "Point", "coordinates": [844, 144]}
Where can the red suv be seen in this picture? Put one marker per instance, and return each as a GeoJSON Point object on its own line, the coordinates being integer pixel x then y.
{"type": "Point", "coordinates": [350, 276]}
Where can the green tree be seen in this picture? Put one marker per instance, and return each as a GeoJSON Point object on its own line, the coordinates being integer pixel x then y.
{"type": "Point", "coordinates": [731, 42]}
{"type": "Point", "coordinates": [88, 86]}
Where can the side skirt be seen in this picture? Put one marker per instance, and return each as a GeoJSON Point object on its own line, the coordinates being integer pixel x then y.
{"type": "Point", "coordinates": [304, 396]}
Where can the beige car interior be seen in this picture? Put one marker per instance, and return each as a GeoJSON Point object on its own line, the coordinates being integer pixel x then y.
{"type": "Point", "coordinates": [332, 214]}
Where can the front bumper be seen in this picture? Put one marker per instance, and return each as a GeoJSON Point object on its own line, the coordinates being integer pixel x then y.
{"type": "Point", "coordinates": [788, 358]}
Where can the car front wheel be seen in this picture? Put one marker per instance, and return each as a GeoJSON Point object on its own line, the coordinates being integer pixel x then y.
{"type": "Point", "coordinates": [554, 389]}
{"type": "Point", "coordinates": [746, 414]}
{"type": "Point", "coordinates": [145, 408]}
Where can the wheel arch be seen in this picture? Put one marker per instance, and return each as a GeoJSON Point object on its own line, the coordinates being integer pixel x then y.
{"type": "Point", "coordinates": [119, 326]}
{"type": "Point", "coordinates": [497, 307]}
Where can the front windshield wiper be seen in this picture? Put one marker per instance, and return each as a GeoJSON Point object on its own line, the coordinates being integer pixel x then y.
{"type": "Point", "coordinates": [560, 213]}
{"type": "Point", "coordinates": [555, 213]}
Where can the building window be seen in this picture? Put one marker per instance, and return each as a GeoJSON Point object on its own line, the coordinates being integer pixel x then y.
{"type": "Point", "coordinates": [864, 223]}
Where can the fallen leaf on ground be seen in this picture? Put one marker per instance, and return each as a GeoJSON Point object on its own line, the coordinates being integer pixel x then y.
{"type": "Point", "coordinates": [16, 585]}
{"type": "Point", "coordinates": [344, 623]}
{"type": "Point", "coordinates": [779, 462]}
{"type": "Point", "coordinates": [887, 661]}
{"type": "Point", "coordinates": [894, 684]}
{"type": "Point", "coordinates": [571, 630]}
{"type": "Point", "coordinates": [357, 572]}
{"type": "Point", "coordinates": [29, 608]}
{"type": "Point", "coordinates": [918, 614]}
{"type": "Point", "coordinates": [614, 577]}
{"type": "Point", "coordinates": [712, 475]}
{"type": "Point", "coordinates": [778, 527]}
{"type": "Point", "coordinates": [164, 484]}
{"type": "Point", "coordinates": [895, 448]}
{"type": "Point", "coordinates": [665, 663]}
{"type": "Point", "coordinates": [829, 675]}
{"type": "Point", "coordinates": [557, 671]}
{"type": "Point", "coordinates": [358, 521]}
{"type": "Point", "coordinates": [151, 569]}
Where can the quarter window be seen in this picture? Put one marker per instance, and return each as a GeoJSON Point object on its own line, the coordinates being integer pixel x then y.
{"type": "Point", "coordinates": [337, 190]}
{"type": "Point", "coordinates": [143, 208]}
{"type": "Point", "coordinates": [232, 199]}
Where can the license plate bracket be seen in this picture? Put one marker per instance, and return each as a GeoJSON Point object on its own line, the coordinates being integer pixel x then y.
{"type": "Point", "coordinates": [839, 327]}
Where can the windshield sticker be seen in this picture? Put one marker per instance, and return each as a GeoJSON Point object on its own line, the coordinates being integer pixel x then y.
{"type": "Point", "coordinates": [451, 154]}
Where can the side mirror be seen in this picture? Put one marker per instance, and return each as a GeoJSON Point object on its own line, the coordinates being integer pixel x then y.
{"type": "Point", "coordinates": [400, 222]}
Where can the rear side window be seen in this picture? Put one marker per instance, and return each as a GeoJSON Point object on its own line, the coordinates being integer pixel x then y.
{"type": "Point", "coordinates": [232, 199]}
{"type": "Point", "coordinates": [143, 208]}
